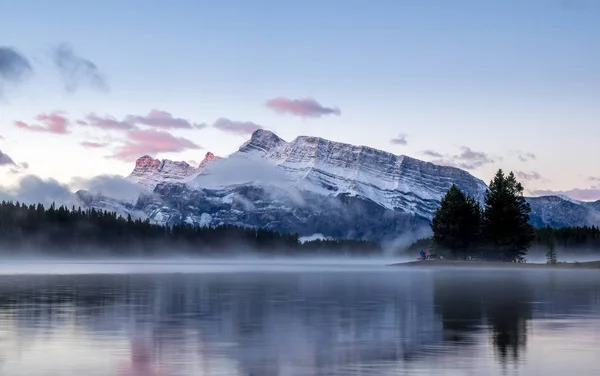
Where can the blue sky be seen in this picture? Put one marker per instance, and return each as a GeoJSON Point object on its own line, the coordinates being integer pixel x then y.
{"type": "Point", "coordinates": [483, 84]}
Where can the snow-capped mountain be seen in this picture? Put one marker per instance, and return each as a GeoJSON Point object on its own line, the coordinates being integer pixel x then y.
{"type": "Point", "coordinates": [149, 172]}
{"type": "Point", "coordinates": [312, 185]}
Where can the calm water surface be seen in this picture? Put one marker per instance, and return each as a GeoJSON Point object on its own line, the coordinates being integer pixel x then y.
{"type": "Point", "coordinates": [225, 320]}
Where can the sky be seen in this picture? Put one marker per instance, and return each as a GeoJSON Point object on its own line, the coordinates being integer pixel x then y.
{"type": "Point", "coordinates": [86, 87]}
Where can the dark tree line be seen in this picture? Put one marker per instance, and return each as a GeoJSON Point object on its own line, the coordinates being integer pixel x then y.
{"type": "Point", "coordinates": [500, 230]}
{"type": "Point", "coordinates": [78, 232]}
{"type": "Point", "coordinates": [569, 239]}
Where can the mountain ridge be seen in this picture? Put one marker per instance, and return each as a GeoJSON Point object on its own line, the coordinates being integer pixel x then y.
{"type": "Point", "coordinates": [314, 185]}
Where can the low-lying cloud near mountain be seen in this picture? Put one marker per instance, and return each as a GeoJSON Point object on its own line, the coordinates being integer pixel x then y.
{"type": "Point", "coordinates": [31, 189]}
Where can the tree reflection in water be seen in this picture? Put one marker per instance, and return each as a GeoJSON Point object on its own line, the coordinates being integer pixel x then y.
{"type": "Point", "coordinates": [470, 302]}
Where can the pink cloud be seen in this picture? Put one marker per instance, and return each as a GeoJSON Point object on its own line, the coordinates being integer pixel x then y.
{"type": "Point", "coordinates": [151, 142]}
{"type": "Point", "coordinates": [307, 107]}
{"type": "Point", "coordinates": [92, 145]}
{"type": "Point", "coordinates": [106, 122]}
{"type": "Point", "coordinates": [155, 118]}
{"type": "Point", "coordinates": [162, 119]}
{"type": "Point", "coordinates": [236, 127]}
{"type": "Point", "coordinates": [53, 122]}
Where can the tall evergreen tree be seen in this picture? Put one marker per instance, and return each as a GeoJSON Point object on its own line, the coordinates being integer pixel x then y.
{"type": "Point", "coordinates": [506, 219]}
{"type": "Point", "coordinates": [456, 223]}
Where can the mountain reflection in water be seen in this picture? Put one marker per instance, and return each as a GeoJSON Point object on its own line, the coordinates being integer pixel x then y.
{"type": "Point", "coordinates": [375, 322]}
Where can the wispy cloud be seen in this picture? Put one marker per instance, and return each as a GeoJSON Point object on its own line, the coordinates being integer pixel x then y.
{"type": "Point", "coordinates": [53, 122]}
{"type": "Point", "coordinates": [399, 140]}
{"type": "Point", "coordinates": [531, 175]}
{"type": "Point", "coordinates": [151, 142]}
{"type": "Point", "coordinates": [236, 127]}
{"type": "Point", "coordinates": [14, 67]}
{"type": "Point", "coordinates": [432, 153]}
{"type": "Point", "coordinates": [467, 159]}
{"type": "Point", "coordinates": [523, 156]}
{"type": "Point", "coordinates": [106, 122]}
{"type": "Point", "coordinates": [155, 118]}
{"type": "Point", "coordinates": [93, 145]}
{"type": "Point", "coordinates": [5, 160]}
{"type": "Point", "coordinates": [164, 120]}
{"type": "Point", "coordinates": [306, 107]}
{"type": "Point", "coordinates": [19, 168]}
{"type": "Point", "coordinates": [77, 71]}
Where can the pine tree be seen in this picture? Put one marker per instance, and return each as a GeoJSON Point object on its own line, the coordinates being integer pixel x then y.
{"type": "Point", "coordinates": [456, 223]}
{"type": "Point", "coordinates": [506, 219]}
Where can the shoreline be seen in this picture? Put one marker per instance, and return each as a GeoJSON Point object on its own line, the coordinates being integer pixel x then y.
{"type": "Point", "coordinates": [499, 264]}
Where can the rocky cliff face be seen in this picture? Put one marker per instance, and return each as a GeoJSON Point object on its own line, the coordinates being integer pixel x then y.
{"type": "Point", "coordinates": [312, 185]}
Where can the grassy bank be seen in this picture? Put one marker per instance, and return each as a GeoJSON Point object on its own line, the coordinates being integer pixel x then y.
{"type": "Point", "coordinates": [463, 263]}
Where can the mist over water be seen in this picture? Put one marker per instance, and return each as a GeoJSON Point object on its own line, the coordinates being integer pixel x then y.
{"type": "Point", "coordinates": [280, 318]}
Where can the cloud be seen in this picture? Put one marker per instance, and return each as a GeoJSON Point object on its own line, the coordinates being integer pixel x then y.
{"type": "Point", "coordinates": [400, 140]}
{"type": "Point", "coordinates": [581, 194]}
{"type": "Point", "coordinates": [155, 118]}
{"type": "Point", "coordinates": [524, 156]}
{"type": "Point", "coordinates": [19, 168]}
{"type": "Point", "coordinates": [92, 145]}
{"type": "Point", "coordinates": [106, 122]}
{"type": "Point", "coordinates": [236, 127]}
{"type": "Point", "coordinates": [432, 153]}
{"type": "Point", "coordinates": [244, 169]}
{"type": "Point", "coordinates": [14, 67]}
{"type": "Point", "coordinates": [532, 175]}
{"type": "Point", "coordinates": [53, 122]}
{"type": "Point", "coordinates": [468, 159]}
{"type": "Point", "coordinates": [151, 142]}
{"type": "Point", "coordinates": [32, 190]}
{"type": "Point", "coordinates": [113, 186]}
{"type": "Point", "coordinates": [164, 120]}
{"type": "Point", "coordinates": [307, 107]}
{"type": "Point", "coordinates": [77, 71]}
{"type": "Point", "coordinates": [5, 160]}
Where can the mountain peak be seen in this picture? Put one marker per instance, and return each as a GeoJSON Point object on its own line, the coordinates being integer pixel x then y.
{"type": "Point", "coordinates": [209, 157]}
{"type": "Point", "coordinates": [147, 161]}
{"type": "Point", "coordinates": [262, 141]}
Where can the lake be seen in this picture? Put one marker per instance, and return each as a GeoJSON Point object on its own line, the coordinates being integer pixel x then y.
{"type": "Point", "coordinates": [262, 319]}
